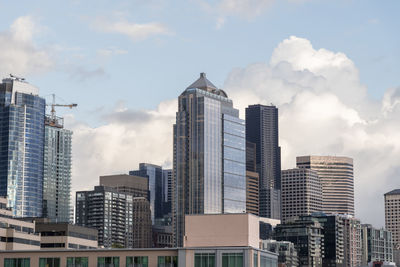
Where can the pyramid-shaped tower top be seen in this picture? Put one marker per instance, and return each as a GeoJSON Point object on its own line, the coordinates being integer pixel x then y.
{"type": "Point", "coordinates": [203, 83]}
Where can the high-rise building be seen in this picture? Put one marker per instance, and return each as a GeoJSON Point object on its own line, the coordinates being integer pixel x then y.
{"type": "Point", "coordinates": [392, 220]}
{"type": "Point", "coordinates": [209, 155]}
{"type": "Point", "coordinates": [262, 130]}
{"type": "Point", "coordinates": [337, 180]}
{"type": "Point", "coordinates": [252, 192]}
{"type": "Point", "coordinates": [57, 170]}
{"type": "Point", "coordinates": [136, 185]}
{"type": "Point", "coordinates": [352, 241]}
{"type": "Point", "coordinates": [306, 235]}
{"type": "Point", "coordinates": [22, 116]}
{"type": "Point", "coordinates": [121, 219]}
{"type": "Point", "coordinates": [167, 193]}
{"type": "Point", "coordinates": [155, 175]}
{"type": "Point", "coordinates": [376, 244]}
{"type": "Point", "coordinates": [301, 193]}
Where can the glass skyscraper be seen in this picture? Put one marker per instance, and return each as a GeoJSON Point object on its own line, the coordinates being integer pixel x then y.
{"type": "Point", "coordinates": [262, 130]}
{"type": "Point", "coordinates": [209, 155]}
{"type": "Point", "coordinates": [22, 115]}
{"type": "Point", "coordinates": [57, 170]}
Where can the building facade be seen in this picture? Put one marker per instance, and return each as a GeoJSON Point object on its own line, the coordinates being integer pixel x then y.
{"type": "Point", "coordinates": [337, 180]}
{"type": "Point", "coordinates": [392, 216]}
{"type": "Point", "coordinates": [122, 220]}
{"type": "Point", "coordinates": [22, 115]}
{"type": "Point", "coordinates": [262, 130]}
{"type": "Point", "coordinates": [352, 241]}
{"type": "Point", "coordinates": [376, 244]}
{"type": "Point", "coordinates": [301, 193]}
{"type": "Point", "coordinates": [209, 155]}
{"type": "Point", "coordinates": [57, 170]}
{"type": "Point", "coordinates": [306, 235]}
{"type": "Point", "coordinates": [252, 192]}
{"type": "Point", "coordinates": [286, 251]}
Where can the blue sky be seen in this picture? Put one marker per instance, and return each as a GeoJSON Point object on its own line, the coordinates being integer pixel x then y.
{"type": "Point", "coordinates": [331, 67]}
{"type": "Point", "coordinates": [159, 67]}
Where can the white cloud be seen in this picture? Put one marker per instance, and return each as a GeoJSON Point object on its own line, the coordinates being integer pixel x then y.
{"type": "Point", "coordinates": [18, 52]}
{"type": "Point", "coordinates": [324, 110]}
{"type": "Point", "coordinates": [135, 31]}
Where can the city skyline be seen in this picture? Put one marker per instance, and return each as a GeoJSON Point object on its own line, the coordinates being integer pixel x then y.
{"type": "Point", "coordinates": [327, 92]}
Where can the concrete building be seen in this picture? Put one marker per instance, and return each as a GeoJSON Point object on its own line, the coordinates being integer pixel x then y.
{"type": "Point", "coordinates": [392, 220]}
{"type": "Point", "coordinates": [65, 236]}
{"type": "Point", "coordinates": [301, 193]}
{"type": "Point", "coordinates": [209, 155]}
{"type": "Point", "coordinates": [377, 244]}
{"type": "Point", "coordinates": [306, 235]}
{"type": "Point", "coordinates": [57, 170]}
{"type": "Point", "coordinates": [262, 130]}
{"type": "Point", "coordinates": [137, 186]}
{"type": "Point", "coordinates": [22, 116]}
{"type": "Point", "coordinates": [16, 234]}
{"type": "Point", "coordinates": [211, 242]}
{"type": "Point", "coordinates": [252, 192]}
{"type": "Point", "coordinates": [122, 220]}
{"type": "Point", "coordinates": [337, 180]}
{"type": "Point", "coordinates": [287, 252]}
{"type": "Point", "coordinates": [352, 241]}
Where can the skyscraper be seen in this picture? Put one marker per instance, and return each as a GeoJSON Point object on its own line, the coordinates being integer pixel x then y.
{"type": "Point", "coordinates": [22, 115]}
{"type": "Point", "coordinates": [392, 220]}
{"type": "Point", "coordinates": [336, 175]}
{"type": "Point", "coordinates": [155, 175]}
{"type": "Point", "coordinates": [209, 155]}
{"type": "Point", "coordinates": [57, 170]}
{"type": "Point", "coordinates": [262, 129]}
{"type": "Point", "coordinates": [301, 193]}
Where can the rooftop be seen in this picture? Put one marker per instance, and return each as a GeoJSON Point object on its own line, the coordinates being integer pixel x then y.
{"type": "Point", "coordinates": [393, 192]}
{"type": "Point", "coordinates": [204, 84]}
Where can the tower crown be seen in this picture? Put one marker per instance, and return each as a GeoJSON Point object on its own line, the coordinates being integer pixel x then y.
{"type": "Point", "coordinates": [204, 84]}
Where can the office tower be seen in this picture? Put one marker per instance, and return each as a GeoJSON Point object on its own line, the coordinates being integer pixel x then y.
{"type": "Point", "coordinates": [57, 170]}
{"type": "Point", "coordinates": [137, 186]}
{"type": "Point", "coordinates": [376, 244]}
{"type": "Point", "coordinates": [209, 155]}
{"type": "Point", "coordinates": [336, 175]}
{"type": "Point", "coordinates": [392, 220]}
{"type": "Point", "coordinates": [167, 193]}
{"type": "Point", "coordinates": [306, 235]}
{"type": "Point", "coordinates": [301, 193]}
{"type": "Point", "coordinates": [262, 130]}
{"type": "Point", "coordinates": [155, 175]}
{"type": "Point", "coordinates": [22, 115]}
{"type": "Point", "coordinates": [252, 192]}
{"type": "Point", "coordinates": [120, 218]}
{"type": "Point", "coordinates": [352, 241]}
{"type": "Point", "coordinates": [332, 230]}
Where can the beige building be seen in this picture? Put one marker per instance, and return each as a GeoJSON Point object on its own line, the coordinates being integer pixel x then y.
{"type": "Point", "coordinates": [392, 220]}
{"type": "Point", "coordinates": [227, 240]}
{"type": "Point", "coordinates": [352, 241]}
{"type": "Point", "coordinates": [301, 193]}
{"type": "Point", "coordinates": [337, 180]}
{"type": "Point", "coordinates": [124, 183]}
{"type": "Point", "coordinates": [252, 193]}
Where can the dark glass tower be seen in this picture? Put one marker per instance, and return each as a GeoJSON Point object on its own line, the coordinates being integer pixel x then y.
{"type": "Point", "coordinates": [22, 115]}
{"type": "Point", "coordinates": [262, 130]}
{"type": "Point", "coordinates": [209, 155]}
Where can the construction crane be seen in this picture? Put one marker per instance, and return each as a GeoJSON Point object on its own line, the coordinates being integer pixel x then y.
{"type": "Point", "coordinates": [53, 118]}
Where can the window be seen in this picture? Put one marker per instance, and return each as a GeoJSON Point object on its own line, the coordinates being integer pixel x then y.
{"type": "Point", "coordinates": [77, 262]}
{"type": "Point", "coordinates": [17, 262]}
{"type": "Point", "coordinates": [141, 261]}
{"type": "Point", "coordinates": [167, 261]}
{"type": "Point", "coordinates": [49, 262]}
{"type": "Point", "coordinates": [232, 260]}
{"type": "Point", "coordinates": [108, 262]}
{"type": "Point", "coordinates": [204, 260]}
{"type": "Point", "coordinates": [255, 259]}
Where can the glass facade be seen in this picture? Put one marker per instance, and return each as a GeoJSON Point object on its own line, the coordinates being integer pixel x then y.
{"type": "Point", "coordinates": [57, 172]}
{"type": "Point", "coordinates": [267, 262]}
{"type": "Point", "coordinates": [49, 262]}
{"type": "Point", "coordinates": [108, 262]}
{"type": "Point", "coordinates": [21, 147]}
{"type": "Point", "coordinates": [138, 261]}
{"type": "Point", "coordinates": [77, 262]}
{"type": "Point", "coordinates": [232, 260]}
{"type": "Point", "coordinates": [204, 260]}
{"type": "Point", "coordinates": [209, 155]}
{"type": "Point", "coordinates": [167, 261]}
{"type": "Point", "coordinates": [17, 262]}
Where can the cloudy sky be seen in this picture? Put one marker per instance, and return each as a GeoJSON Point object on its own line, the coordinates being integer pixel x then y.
{"type": "Point", "coordinates": [331, 67]}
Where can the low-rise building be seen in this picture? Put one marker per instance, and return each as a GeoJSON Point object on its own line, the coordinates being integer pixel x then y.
{"type": "Point", "coordinates": [287, 252]}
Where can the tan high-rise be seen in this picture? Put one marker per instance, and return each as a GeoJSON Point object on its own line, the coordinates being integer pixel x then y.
{"type": "Point", "coordinates": [392, 220]}
{"type": "Point", "coordinates": [337, 180]}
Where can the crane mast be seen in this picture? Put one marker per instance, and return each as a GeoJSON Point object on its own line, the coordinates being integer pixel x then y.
{"type": "Point", "coordinates": [53, 120]}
